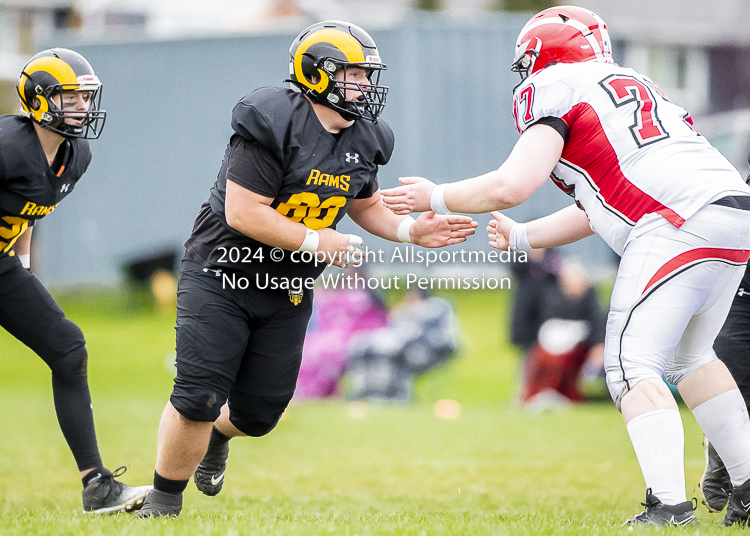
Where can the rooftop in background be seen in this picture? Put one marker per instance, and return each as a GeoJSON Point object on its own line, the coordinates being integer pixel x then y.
{"type": "Point", "coordinates": [693, 22]}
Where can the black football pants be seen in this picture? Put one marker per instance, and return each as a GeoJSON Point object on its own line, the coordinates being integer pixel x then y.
{"type": "Point", "coordinates": [30, 314]}
{"type": "Point", "coordinates": [240, 346]}
{"type": "Point", "coordinates": [732, 345]}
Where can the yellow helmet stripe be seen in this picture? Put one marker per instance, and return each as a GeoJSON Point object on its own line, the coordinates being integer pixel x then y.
{"type": "Point", "coordinates": [345, 42]}
{"type": "Point", "coordinates": [62, 72]}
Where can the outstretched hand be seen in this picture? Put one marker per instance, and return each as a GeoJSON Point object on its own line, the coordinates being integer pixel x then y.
{"type": "Point", "coordinates": [337, 248]}
{"type": "Point", "coordinates": [413, 196]}
{"type": "Point", "coordinates": [498, 230]}
{"type": "Point", "coordinates": [433, 231]}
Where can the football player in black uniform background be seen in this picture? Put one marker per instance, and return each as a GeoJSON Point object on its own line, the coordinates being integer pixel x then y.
{"type": "Point", "coordinates": [298, 161]}
{"type": "Point", "coordinates": [732, 346]}
{"type": "Point", "coordinates": [42, 157]}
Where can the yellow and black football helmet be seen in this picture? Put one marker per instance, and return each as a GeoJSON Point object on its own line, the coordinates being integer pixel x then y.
{"type": "Point", "coordinates": [50, 73]}
{"type": "Point", "coordinates": [325, 48]}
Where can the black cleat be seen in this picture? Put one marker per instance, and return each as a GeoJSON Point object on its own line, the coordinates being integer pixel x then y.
{"type": "Point", "coordinates": [104, 494]}
{"type": "Point", "coordinates": [161, 504]}
{"type": "Point", "coordinates": [658, 514]}
{"type": "Point", "coordinates": [715, 483]}
{"type": "Point", "coordinates": [738, 509]}
{"type": "Point", "coordinates": [209, 475]}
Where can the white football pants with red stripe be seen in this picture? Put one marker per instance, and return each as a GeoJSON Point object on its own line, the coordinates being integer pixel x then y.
{"type": "Point", "coordinates": [672, 294]}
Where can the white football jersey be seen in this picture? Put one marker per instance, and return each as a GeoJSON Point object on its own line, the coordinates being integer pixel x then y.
{"type": "Point", "coordinates": [631, 155]}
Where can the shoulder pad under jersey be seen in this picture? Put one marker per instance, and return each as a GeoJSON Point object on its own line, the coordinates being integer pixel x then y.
{"type": "Point", "coordinates": [265, 116]}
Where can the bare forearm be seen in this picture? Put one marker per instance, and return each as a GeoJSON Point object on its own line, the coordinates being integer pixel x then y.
{"type": "Point", "coordinates": [524, 171]}
{"type": "Point", "coordinates": [22, 246]}
{"type": "Point", "coordinates": [264, 224]}
{"type": "Point", "coordinates": [377, 220]}
{"type": "Point", "coordinates": [428, 230]}
{"type": "Point", "coordinates": [558, 229]}
{"type": "Point", "coordinates": [251, 214]}
{"type": "Point", "coordinates": [485, 193]}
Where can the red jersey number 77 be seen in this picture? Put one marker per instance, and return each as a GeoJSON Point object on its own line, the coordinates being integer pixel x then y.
{"type": "Point", "coordinates": [625, 90]}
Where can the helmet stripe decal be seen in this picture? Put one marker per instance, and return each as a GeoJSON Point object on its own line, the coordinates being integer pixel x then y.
{"type": "Point", "coordinates": [341, 40]}
{"type": "Point", "coordinates": [589, 35]}
{"type": "Point", "coordinates": [62, 72]}
{"type": "Point", "coordinates": [345, 42]}
{"type": "Point", "coordinates": [585, 31]}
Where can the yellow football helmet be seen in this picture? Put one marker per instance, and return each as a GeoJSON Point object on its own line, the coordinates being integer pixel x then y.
{"type": "Point", "coordinates": [322, 50]}
{"type": "Point", "coordinates": [52, 72]}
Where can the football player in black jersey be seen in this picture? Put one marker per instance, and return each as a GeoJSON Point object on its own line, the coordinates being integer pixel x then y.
{"type": "Point", "coordinates": [42, 157]}
{"type": "Point", "coordinates": [732, 346]}
{"type": "Point", "coordinates": [298, 161]}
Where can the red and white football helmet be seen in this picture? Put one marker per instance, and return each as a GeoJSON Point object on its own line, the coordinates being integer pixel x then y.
{"type": "Point", "coordinates": [565, 34]}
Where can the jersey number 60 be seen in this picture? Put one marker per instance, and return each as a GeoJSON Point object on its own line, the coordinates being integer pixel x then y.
{"type": "Point", "coordinates": [307, 209]}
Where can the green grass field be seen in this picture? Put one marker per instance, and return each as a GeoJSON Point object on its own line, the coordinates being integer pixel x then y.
{"type": "Point", "coordinates": [393, 470]}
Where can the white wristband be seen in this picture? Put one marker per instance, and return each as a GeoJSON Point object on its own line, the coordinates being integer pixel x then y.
{"type": "Point", "coordinates": [25, 260]}
{"type": "Point", "coordinates": [311, 241]}
{"type": "Point", "coordinates": [517, 239]}
{"type": "Point", "coordinates": [403, 229]}
{"type": "Point", "coordinates": [437, 203]}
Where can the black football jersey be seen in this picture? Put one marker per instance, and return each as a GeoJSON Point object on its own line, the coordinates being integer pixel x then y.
{"type": "Point", "coordinates": [29, 188]}
{"type": "Point", "coordinates": [280, 149]}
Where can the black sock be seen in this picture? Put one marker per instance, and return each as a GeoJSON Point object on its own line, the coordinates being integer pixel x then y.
{"type": "Point", "coordinates": [217, 439]}
{"type": "Point", "coordinates": [169, 486]}
{"type": "Point", "coordinates": [218, 445]}
{"type": "Point", "coordinates": [96, 472]}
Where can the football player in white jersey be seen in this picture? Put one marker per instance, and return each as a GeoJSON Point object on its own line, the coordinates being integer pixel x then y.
{"type": "Point", "coordinates": [665, 200]}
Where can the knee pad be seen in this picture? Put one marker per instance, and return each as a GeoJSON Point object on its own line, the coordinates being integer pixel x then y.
{"type": "Point", "coordinates": [200, 404]}
{"type": "Point", "coordinates": [60, 343]}
{"type": "Point", "coordinates": [253, 424]}
{"type": "Point", "coordinates": [71, 369]}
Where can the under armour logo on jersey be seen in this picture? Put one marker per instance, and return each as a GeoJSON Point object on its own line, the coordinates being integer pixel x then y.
{"type": "Point", "coordinates": [742, 292]}
{"type": "Point", "coordinates": [350, 157]}
{"type": "Point", "coordinates": [64, 188]}
{"type": "Point", "coordinates": [217, 273]}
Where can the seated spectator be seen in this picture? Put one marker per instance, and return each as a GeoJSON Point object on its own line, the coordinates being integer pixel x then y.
{"type": "Point", "coordinates": [421, 333]}
{"type": "Point", "coordinates": [531, 281]}
{"type": "Point", "coordinates": [337, 316]}
{"type": "Point", "coordinates": [571, 333]}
